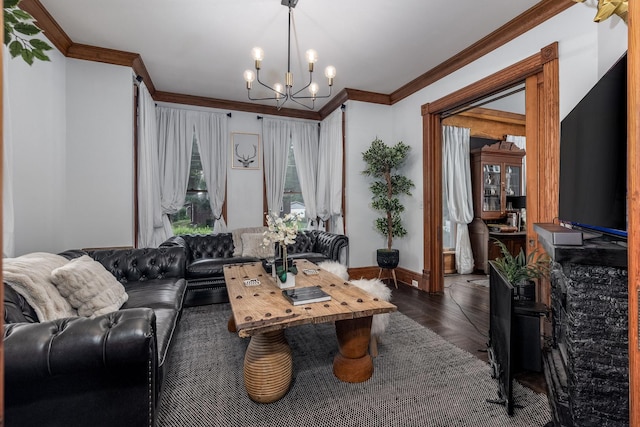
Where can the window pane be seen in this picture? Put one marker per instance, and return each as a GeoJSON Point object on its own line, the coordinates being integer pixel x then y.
{"type": "Point", "coordinates": [292, 201]}
{"type": "Point", "coordinates": [195, 217]}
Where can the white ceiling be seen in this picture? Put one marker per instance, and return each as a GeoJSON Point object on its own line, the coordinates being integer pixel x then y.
{"type": "Point", "coordinates": [202, 47]}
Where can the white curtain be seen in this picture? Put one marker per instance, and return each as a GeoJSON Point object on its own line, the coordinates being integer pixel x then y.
{"type": "Point", "coordinates": [213, 144]}
{"type": "Point", "coordinates": [456, 187]}
{"type": "Point", "coordinates": [150, 227]}
{"type": "Point", "coordinates": [304, 137]}
{"type": "Point", "coordinates": [329, 193]}
{"type": "Point", "coordinates": [521, 142]}
{"type": "Point", "coordinates": [8, 223]}
{"type": "Point", "coordinates": [277, 136]}
{"type": "Point", "coordinates": [175, 142]}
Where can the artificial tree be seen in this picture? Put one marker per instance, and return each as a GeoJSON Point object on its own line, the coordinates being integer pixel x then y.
{"type": "Point", "coordinates": [383, 162]}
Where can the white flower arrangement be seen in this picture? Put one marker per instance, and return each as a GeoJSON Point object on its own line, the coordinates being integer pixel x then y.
{"type": "Point", "coordinates": [282, 231]}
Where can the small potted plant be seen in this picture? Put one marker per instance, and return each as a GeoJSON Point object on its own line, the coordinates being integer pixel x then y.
{"type": "Point", "coordinates": [520, 270]}
{"type": "Point", "coordinates": [383, 162]}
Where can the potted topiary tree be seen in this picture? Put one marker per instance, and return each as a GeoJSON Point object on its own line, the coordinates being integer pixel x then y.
{"type": "Point", "coordinates": [383, 162]}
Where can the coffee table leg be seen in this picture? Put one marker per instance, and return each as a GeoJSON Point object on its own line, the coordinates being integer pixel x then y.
{"type": "Point", "coordinates": [231, 324]}
{"type": "Point", "coordinates": [268, 367]}
{"type": "Point", "coordinates": [353, 363]}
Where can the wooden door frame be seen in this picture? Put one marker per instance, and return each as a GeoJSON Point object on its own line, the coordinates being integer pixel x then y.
{"type": "Point", "coordinates": [540, 74]}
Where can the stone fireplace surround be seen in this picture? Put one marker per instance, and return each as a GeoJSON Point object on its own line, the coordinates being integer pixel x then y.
{"type": "Point", "coordinates": [586, 362]}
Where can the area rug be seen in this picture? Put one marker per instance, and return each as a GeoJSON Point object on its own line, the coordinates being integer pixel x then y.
{"type": "Point", "coordinates": [419, 379]}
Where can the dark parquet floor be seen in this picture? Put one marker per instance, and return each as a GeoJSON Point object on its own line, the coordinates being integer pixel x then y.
{"type": "Point", "coordinates": [460, 315]}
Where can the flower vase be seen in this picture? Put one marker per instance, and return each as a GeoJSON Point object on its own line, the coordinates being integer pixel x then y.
{"type": "Point", "coordinates": [289, 280]}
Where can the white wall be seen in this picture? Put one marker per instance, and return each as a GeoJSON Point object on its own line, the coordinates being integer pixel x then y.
{"type": "Point", "coordinates": [99, 169]}
{"type": "Point", "coordinates": [72, 125]}
{"type": "Point", "coordinates": [37, 122]}
{"type": "Point", "coordinates": [586, 51]}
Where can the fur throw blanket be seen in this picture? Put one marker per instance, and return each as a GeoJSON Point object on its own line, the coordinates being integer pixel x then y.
{"type": "Point", "coordinates": [30, 276]}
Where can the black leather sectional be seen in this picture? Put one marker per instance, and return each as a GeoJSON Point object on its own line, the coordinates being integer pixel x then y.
{"type": "Point", "coordinates": [207, 254]}
{"type": "Point", "coordinates": [102, 371]}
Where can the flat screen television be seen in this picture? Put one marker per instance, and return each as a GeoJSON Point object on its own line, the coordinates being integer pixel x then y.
{"type": "Point", "coordinates": [593, 157]}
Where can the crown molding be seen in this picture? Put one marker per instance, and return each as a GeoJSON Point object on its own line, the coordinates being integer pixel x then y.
{"type": "Point", "coordinates": [248, 107]}
{"type": "Point", "coordinates": [531, 18]}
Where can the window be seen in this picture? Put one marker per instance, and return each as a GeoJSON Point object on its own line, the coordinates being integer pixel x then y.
{"type": "Point", "coordinates": [292, 201]}
{"type": "Point", "coordinates": [195, 217]}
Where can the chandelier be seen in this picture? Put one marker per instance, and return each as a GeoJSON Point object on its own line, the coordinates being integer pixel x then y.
{"type": "Point", "coordinates": [282, 94]}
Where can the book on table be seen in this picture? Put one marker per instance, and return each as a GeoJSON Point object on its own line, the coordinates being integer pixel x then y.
{"type": "Point", "coordinates": [299, 296]}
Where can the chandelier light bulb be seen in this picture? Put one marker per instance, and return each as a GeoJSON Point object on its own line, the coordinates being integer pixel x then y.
{"type": "Point", "coordinates": [257, 54]}
{"type": "Point", "coordinates": [312, 56]}
{"type": "Point", "coordinates": [249, 76]}
{"type": "Point", "coordinates": [278, 88]}
{"type": "Point", "coordinates": [330, 73]}
{"type": "Point", "coordinates": [313, 88]}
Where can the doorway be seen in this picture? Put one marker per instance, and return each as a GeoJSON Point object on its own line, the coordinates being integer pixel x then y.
{"type": "Point", "coordinates": [539, 73]}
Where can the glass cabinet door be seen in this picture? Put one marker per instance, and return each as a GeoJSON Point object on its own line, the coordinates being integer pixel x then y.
{"type": "Point", "coordinates": [491, 181]}
{"type": "Point", "coordinates": [513, 180]}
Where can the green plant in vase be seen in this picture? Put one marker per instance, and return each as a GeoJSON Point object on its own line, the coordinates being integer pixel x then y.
{"type": "Point", "coordinates": [282, 231]}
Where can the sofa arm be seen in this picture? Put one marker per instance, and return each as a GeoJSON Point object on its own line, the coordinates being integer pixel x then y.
{"type": "Point", "coordinates": [82, 371]}
{"type": "Point", "coordinates": [330, 244]}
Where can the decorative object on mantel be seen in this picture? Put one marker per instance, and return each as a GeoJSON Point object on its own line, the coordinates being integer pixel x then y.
{"type": "Point", "coordinates": [282, 94]}
{"type": "Point", "coordinates": [19, 32]}
{"type": "Point", "coordinates": [382, 164]}
{"type": "Point", "coordinates": [519, 270]}
{"type": "Point", "coordinates": [283, 231]}
{"type": "Point", "coordinates": [606, 8]}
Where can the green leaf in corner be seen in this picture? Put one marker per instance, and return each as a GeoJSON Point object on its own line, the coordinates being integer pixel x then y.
{"type": "Point", "coordinates": [39, 44]}
{"type": "Point", "coordinates": [26, 29]}
{"type": "Point", "coordinates": [21, 14]}
{"type": "Point", "coordinates": [27, 55]}
{"type": "Point", "coordinates": [10, 4]}
{"type": "Point", "coordinates": [15, 48]}
{"type": "Point", "coordinates": [9, 18]}
{"type": "Point", "coordinates": [37, 53]}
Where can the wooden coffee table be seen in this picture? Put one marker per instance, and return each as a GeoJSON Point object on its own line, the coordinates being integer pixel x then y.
{"type": "Point", "coordinates": [262, 313]}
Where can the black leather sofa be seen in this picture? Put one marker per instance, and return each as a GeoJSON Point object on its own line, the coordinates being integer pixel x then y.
{"type": "Point", "coordinates": [102, 371]}
{"type": "Point", "coordinates": [207, 254]}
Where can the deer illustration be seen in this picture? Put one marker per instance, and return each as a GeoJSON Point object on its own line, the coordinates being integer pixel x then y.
{"type": "Point", "coordinates": [246, 160]}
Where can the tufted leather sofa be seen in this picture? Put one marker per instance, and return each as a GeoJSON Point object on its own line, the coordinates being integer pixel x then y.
{"type": "Point", "coordinates": [105, 371]}
{"type": "Point", "coordinates": [207, 254]}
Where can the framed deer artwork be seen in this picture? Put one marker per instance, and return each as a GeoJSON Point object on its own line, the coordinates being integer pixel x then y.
{"type": "Point", "coordinates": [245, 150]}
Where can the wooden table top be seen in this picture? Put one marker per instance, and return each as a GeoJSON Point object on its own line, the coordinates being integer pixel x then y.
{"type": "Point", "coordinates": [263, 308]}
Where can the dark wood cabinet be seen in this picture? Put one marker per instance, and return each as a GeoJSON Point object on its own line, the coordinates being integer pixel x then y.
{"type": "Point", "coordinates": [496, 172]}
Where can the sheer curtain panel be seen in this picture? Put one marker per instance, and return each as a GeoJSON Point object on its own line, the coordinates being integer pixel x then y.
{"type": "Point", "coordinates": [213, 143]}
{"type": "Point", "coordinates": [175, 142]}
{"type": "Point", "coordinates": [456, 187]}
{"type": "Point", "coordinates": [150, 227]}
{"type": "Point", "coordinates": [304, 137]}
{"type": "Point", "coordinates": [329, 193]}
{"type": "Point", "coordinates": [277, 136]}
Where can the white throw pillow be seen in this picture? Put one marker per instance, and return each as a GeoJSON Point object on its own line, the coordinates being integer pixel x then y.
{"type": "Point", "coordinates": [236, 235]}
{"type": "Point", "coordinates": [89, 287]}
{"type": "Point", "coordinates": [252, 245]}
{"type": "Point", "coordinates": [30, 276]}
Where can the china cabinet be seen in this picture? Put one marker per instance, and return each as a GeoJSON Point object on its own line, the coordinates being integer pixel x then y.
{"type": "Point", "coordinates": [496, 172]}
